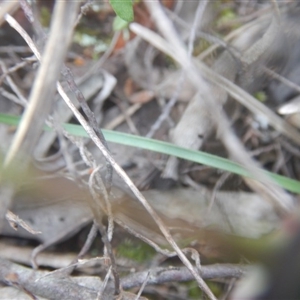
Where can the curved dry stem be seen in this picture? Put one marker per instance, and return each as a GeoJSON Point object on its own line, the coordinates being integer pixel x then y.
{"type": "Point", "coordinates": [43, 89]}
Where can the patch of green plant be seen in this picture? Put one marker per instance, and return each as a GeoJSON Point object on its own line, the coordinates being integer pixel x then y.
{"type": "Point", "coordinates": [45, 16]}
{"type": "Point", "coordinates": [261, 96]}
{"type": "Point", "coordinates": [135, 250]}
{"type": "Point", "coordinates": [226, 15]}
{"type": "Point", "coordinates": [195, 293]}
{"type": "Point", "coordinates": [193, 290]}
{"type": "Point", "coordinates": [123, 9]}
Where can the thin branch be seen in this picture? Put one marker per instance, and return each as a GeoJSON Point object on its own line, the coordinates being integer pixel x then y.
{"type": "Point", "coordinates": [101, 290]}
{"type": "Point", "coordinates": [142, 287]}
{"type": "Point", "coordinates": [106, 237]}
{"type": "Point", "coordinates": [181, 274]}
{"type": "Point", "coordinates": [21, 99]}
{"type": "Point", "coordinates": [91, 118]}
{"type": "Point", "coordinates": [52, 288]}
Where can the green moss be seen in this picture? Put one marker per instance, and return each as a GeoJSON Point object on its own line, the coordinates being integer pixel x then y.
{"type": "Point", "coordinates": [193, 290]}
{"type": "Point", "coordinates": [135, 250]}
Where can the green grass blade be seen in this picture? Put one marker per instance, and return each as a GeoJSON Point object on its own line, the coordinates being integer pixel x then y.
{"type": "Point", "coordinates": [170, 149]}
